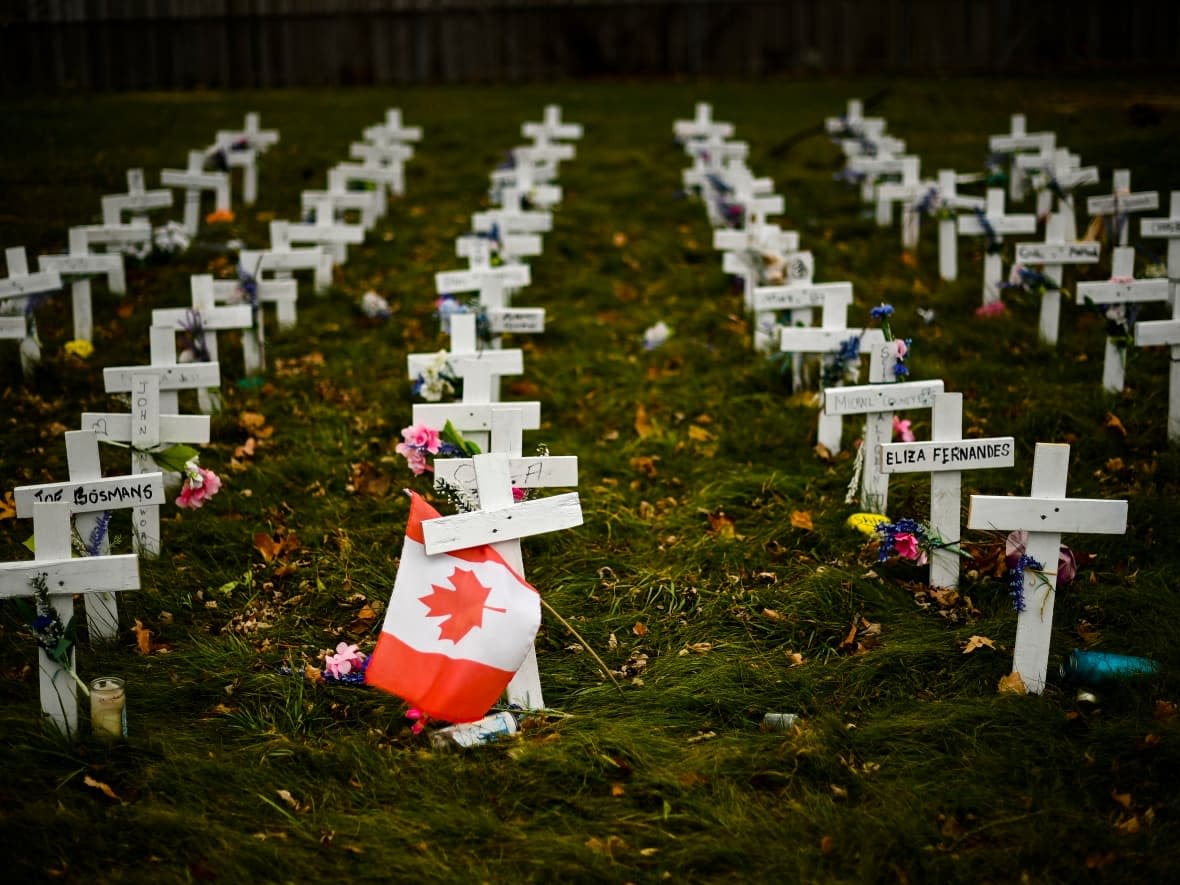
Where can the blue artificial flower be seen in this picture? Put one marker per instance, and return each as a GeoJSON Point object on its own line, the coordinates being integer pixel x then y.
{"type": "Point", "coordinates": [881, 311]}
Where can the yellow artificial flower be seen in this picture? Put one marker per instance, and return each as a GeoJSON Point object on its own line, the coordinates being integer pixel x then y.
{"type": "Point", "coordinates": [866, 523]}
{"type": "Point", "coordinates": [79, 347]}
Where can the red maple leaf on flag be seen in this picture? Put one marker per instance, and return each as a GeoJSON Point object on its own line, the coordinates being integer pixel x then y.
{"type": "Point", "coordinates": [462, 603]}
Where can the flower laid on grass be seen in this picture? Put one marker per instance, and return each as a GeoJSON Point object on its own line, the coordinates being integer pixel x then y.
{"type": "Point", "coordinates": [374, 306]}
{"type": "Point", "coordinates": [656, 335]}
{"type": "Point", "coordinates": [79, 347]}
{"type": "Point", "coordinates": [346, 666]}
{"type": "Point", "coordinates": [199, 485]}
{"type": "Point", "coordinates": [170, 239]}
{"type": "Point", "coordinates": [991, 309]}
{"type": "Point", "coordinates": [220, 216]}
{"type": "Point", "coordinates": [437, 380]}
{"type": "Point", "coordinates": [911, 540]}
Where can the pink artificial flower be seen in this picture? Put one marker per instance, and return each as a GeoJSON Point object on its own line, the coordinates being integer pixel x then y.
{"type": "Point", "coordinates": [418, 718]}
{"type": "Point", "coordinates": [415, 459]}
{"type": "Point", "coordinates": [995, 309]}
{"type": "Point", "coordinates": [906, 546]}
{"type": "Point", "coordinates": [901, 348]}
{"type": "Point", "coordinates": [422, 437]}
{"type": "Point", "coordinates": [1016, 544]}
{"type": "Point", "coordinates": [342, 663]}
{"type": "Point", "coordinates": [193, 494]}
{"type": "Point", "coordinates": [519, 495]}
{"type": "Point", "coordinates": [903, 428]}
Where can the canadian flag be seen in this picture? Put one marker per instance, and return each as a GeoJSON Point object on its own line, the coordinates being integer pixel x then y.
{"type": "Point", "coordinates": [458, 626]}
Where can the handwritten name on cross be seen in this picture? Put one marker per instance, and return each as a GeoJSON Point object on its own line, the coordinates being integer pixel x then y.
{"type": "Point", "coordinates": [494, 286]}
{"type": "Point", "coordinates": [1168, 229]}
{"type": "Point", "coordinates": [90, 498]}
{"type": "Point", "coordinates": [194, 181]}
{"type": "Point", "coordinates": [1046, 515]}
{"type": "Point", "coordinates": [147, 428]}
{"type": "Point", "coordinates": [1122, 289]}
{"type": "Point", "coordinates": [502, 523]}
{"type": "Point", "coordinates": [1017, 140]}
{"type": "Point", "coordinates": [511, 248]}
{"type": "Point", "coordinates": [15, 291]}
{"type": "Point", "coordinates": [136, 235]}
{"type": "Point", "coordinates": [944, 458]}
{"type": "Point", "coordinates": [1120, 203]}
{"type": "Point", "coordinates": [64, 577]}
{"type": "Point", "coordinates": [1052, 255]}
{"type": "Point", "coordinates": [746, 253]}
{"type": "Point", "coordinates": [511, 217]}
{"type": "Point", "coordinates": [137, 200]}
{"type": "Point", "coordinates": [994, 224]}
{"type": "Point", "coordinates": [78, 266]}
{"type": "Point", "coordinates": [878, 401]}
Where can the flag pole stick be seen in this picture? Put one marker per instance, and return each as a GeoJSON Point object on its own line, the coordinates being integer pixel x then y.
{"type": "Point", "coordinates": [586, 645]}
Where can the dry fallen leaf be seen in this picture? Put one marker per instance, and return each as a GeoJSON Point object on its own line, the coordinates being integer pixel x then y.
{"type": "Point", "coordinates": [1012, 683]}
{"type": "Point", "coordinates": [645, 464]}
{"type": "Point", "coordinates": [1112, 422]}
{"type": "Point", "coordinates": [617, 789]}
{"type": "Point", "coordinates": [293, 803]}
{"type": "Point", "coordinates": [643, 425]}
{"type": "Point", "coordinates": [640, 628]}
{"type": "Point", "coordinates": [699, 434]}
{"type": "Point", "coordinates": [143, 638]}
{"type": "Point", "coordinates": [7, 506]}
{"type": "Point", "coordinates": [977, 642]}
{"type": "Point", "coordinates": [801, 519]}
{"type": "Point", "coordinates": [101, 787]}
{"type": "Point", "coordinates": [1123, 799]}
{"type": "Point", "coordinates": [721, 525]}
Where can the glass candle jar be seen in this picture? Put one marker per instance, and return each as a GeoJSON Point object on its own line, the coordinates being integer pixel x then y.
{"type": "Point", "coordinates": [108, 707]}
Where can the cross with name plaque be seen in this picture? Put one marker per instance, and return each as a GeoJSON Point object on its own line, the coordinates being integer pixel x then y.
{"type": "Point", "coordinates": [1167, 229]}
{"type": "Point", "coordinates": [1166, 333]}
{"type": "Point", "coordinates": [137, 200]}
{"type": "Point", "coordinates": [993, 223]}
{"type": "Point", "coordinates": [1119, 204]}
{"type": "Point", "coordinates": [1018, 139]}
{"type": "Point", "coordinates": [281, 260]}
{"type": "Point", "coordinates": [948, 243]}
{"type": "Point", "coordinates": [194, 180]}
{"type": "Point", "coordinates": [1052, 255]}
{"type": "Point", "coordinates": [241, 148]}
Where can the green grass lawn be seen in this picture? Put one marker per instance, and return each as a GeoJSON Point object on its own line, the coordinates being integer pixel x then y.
{"type": "Point", "coordinates": [689, 576]}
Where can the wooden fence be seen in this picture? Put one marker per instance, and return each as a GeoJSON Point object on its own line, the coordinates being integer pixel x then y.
{"type": "Point", "coordinates": [48, 45]}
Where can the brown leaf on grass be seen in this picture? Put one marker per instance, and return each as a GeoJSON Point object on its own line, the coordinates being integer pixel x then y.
{"type": "Point", "coordinates": [246, 449]}
{"type": "Point", "coordinates": [1164, 711]}
{"type": "Point", "coordinates": [640, 628]}
{"type": "Point", "coordinates": [827, 845]}
{"type": "Point", "coordinates": [125, 309]}
{"type": "Point", "coordinates": [1128, 827]}
{"type": "Point", "coordinates": [254, 423]}
{"type": "Point", "coordinates": [977, 642]}
{"type": "Point", "coordinates": [143, 638]}
{"type": "Point", "coordinates": [645, 464]}
{"type": "Point", "coordinates": [1123, 799]}
{"type": "Point", "coordinates": [643, 425]}
{"type": "Point", "coordinates": [367, 480]}
{"type": "Point", "coordinates": [1012, 683]}
{"type": "Point", "coordinates": [1111, 422]}
{"type": "Point", "coordinates": [7, 506]}
{"type": "Point", "coordinates": [102, 788]}
{"type": "Point", "coordinates": [773, 615]}
{"type": "Point", "coordinates": [796, 658]}
{"type": "Point", "coordinates": [861, 637]}
{"type": "Point", "coordinates": [291, 802]}
{"type": "Point", "coordinates": [617, 789]}
{"type": "Point", "coordinates": [801, 519]}
{"type": "Point", "coordinates": [525, 389]}
{"type": "Point", "coordinates": [699, 434]}
{"type": "Point", "coordinates": [273, 548]}
{"type": "Point", "coordinates": [1097, 860]}
{"type": "Point", "coordinates": [721, 525]}
{"type": "Point", "coordinates": [824, 453]}
{"type": "Point", "coordinates": [1087, 632]}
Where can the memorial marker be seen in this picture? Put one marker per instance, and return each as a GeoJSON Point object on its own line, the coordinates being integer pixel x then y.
{"type": "Point", "coordinates": [78, 266]}
{"type": "Point", "coordinates": [1052, 256]}
{"type": "Point", "coordinates": [16, 290]}
{"type": "Point", "coordinates": [1166, 333]}
{"type": "Point", "coordinates": [1119, 204]}
{"type": "Point", "coordinates": [1169, 229]}
{"type": "Point", "coordinates": [1016, 140]}
{"type": "Point", "coordinates": [137, 200]}
{"type": "Point", "coordinates": [194, 180]}
{"type": "Point", "coordinates": [241, 148]}
{"type": "Point", "coordinates": [993, 223]}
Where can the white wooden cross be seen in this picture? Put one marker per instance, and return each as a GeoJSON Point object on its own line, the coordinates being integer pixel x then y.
{"type": "Point", "coordinates": [206, 318]}
{"type": "Point", "coordinates": [283, 294]}
{"type": "Point", "coordinates": [393, 129]}
{"type": "Point", "coordinates": [944, 458]}
{"type": "Point", "coordinates": [709, 158]}
{"type": "Point", "coordinates": [241, 147]}
{"type": "Point", "coordinates": [1046, 515]}
{"type": "Point", "coordinates": [1122, 289]}
{"type": "Point", "coordinates": [853, 121]}
{"type": "Point", "coordinates": [908, 191]}
{"type": "Point", "coordinates": [64, 576]}
{"type": "Point", "coordinates": [136, 236]}
{"type": "Point", "coordinates": [494, 285]}
{"type": "Point", "coordinates": [532, 171]}
{"type": "Point", "coordinates": [370, 173]}
{"type": "Point", "coordinates": [798, 295]}
{"type": "Point", "coordinates": [873, 168]}
{"type": "Point", "coordinates": [386, 153]}
{"type": "Point", "coordinates": [282, 260]}
{"type": "Point", "coordinates": [502, 523]}
{"type": "Point", "coordinates": [364, 203]}
{"type": "Point", "coordinates": [325, 231]}
{"type": "Point", "coordinates": [948, 243]}
{"type": "Point", "coordinates": [826, 340]}
{"type": "Point", "coordinates": [1016, 140]}
{"type": "Point", "coordinates": [480, 371]}
{"type": "Point", "coordinates": [1119, 204]}
{"type": "Point", "coordinates": [551, 127]}
{"type": "Point", "coordinates": [1052, 256]}
{"type": "Point", "coordinates": [88, 496]}
{"type": "Point", "coordinates": [1166, 333]}
{"type": "Point", "coordinates": [511, 248]}
{"type": "Point", "coordinates": [137, 200]}
{"type": "Point", "coordinates": [1000, 223]}
{"type": "Point", "coordinates": [702, 126]}
{"type": "Point", "coordinates": [194, 180]}
{"type": "Point", "coordinates": [1168, 229]}
{"type": "Point", "coordinates": [79, 265]}
{"type": "Point", "coordinates": [511, 217]}
{"type": "Point", "coordinates": [16, 319]}
{"type": "Point", "coordinates": [745, 252]}
{"type": "Point", "coordinates": [1056, 180]}
{"type": "Point", "coordinates": [877, 401]}
{"type": "Point", "coordinates": [148, 427]}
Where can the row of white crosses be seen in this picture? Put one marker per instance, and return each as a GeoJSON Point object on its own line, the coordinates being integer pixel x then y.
{"type": "Point", "coordinates": [487, 480]}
